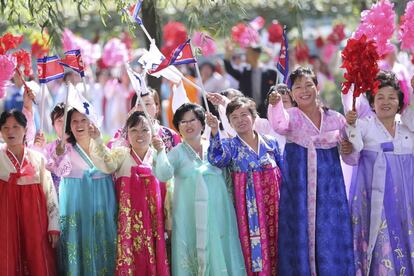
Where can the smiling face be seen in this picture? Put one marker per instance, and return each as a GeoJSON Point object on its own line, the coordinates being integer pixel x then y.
{"type": "Point", "coordinates": [139, 135]}
{"type": "Point", "coordinates": [304, 91]}
{"type": "Point", "coordinates": [79, 125]}
{"type": "Point", "coordinates": [189, 126]}
{"type": "Point", "coordinates": [13, 132]}
{"type": "Point", "coordinates": [241, 120]}
{"type": "Point", "coordinates": [386, 103]}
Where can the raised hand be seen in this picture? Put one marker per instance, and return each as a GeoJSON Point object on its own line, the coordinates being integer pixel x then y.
{"type": "Point", "coordinates": [274, 98]}
{"type": "Point", "coordinates": [216, 99]}
{"type": "Point", "coordinates": [40, 140]}
{"type": "Point", "coordinates": [157, 143]}
{"type": "Point", "coordinates": [212, 122]}
{"type": "Point", "coordinates": [28, 98]}
{"type": "Point", "coordinates": [351, 117]}
{"type": "Point", "coordinates": [94, 132]}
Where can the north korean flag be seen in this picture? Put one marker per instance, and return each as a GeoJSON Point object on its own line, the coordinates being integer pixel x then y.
{"type": "Point", "coordinates": [48, 69]}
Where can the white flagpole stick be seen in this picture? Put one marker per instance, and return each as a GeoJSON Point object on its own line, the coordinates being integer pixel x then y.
{"type": "Point", "coordinates": [151, 39]}
{"type": "Point", "coordinates": [42, 105]}
{"type": "Point", "coordinates": [84, 86]}
{"type": "Point", "coordinates": [65, 116]}
{"type": "Point", "coordinates": [203, 90]}
{"type": "Point", "coordinates": [139, 98]}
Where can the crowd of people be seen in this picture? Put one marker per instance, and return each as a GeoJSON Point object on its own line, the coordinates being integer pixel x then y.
{"type": "Point", "coordinates": [269, 182]}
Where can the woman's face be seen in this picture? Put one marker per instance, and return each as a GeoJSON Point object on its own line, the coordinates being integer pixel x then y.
{"type": "Point", "coordinates": [386, 102]}
{"type": "Point", "coordinates": [190, 127]}
{"type": "Point", "coordinates": [13, 133]}
{"type": "Point", "coordinates": [304, 91]}
{"type": "Point", "coordinates": [150, 105]}
{"type": "Point", "coordinates": [139, 136]}
{"type": "Point", "coordinates": [79, 125]}
{"type": "Point", "coordinates": [241, 120]}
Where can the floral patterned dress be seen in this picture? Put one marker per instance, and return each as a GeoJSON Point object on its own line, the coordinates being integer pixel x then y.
{"type": "Point", "coordinates": [141, 248]}
{"type": "Point", "coordinates": [256, 180]}
{"type": "Point", "coordinates": [88, 211]}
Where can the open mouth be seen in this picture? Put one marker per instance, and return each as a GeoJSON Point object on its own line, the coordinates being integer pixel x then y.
{"type": "Point", "coordinates": [305, 97]}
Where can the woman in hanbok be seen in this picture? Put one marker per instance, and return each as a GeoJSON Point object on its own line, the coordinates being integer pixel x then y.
{"type": "Point", "coordinates": [87, 204]}
{"type": "Point", "coordinates": [169, 136]}
{"type": "Point", "coordinates": [254, 161]}
{"type": "Point", "coordinates": [382, 190]}
{"type": "Point", "coordinates": [29, 215]}
{"type": "Point", "coordinates": [315, 232]}
{"type": "Point", "coordinates": [39, 140]}
{"type": "Point", "coordinates": [140, 244]}
{"type": "Point", "coordinates": [151, 102]}
{"type": "Point", "coordinates": [204, 233]}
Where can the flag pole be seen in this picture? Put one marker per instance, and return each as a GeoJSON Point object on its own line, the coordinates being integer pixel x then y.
{"type": "Point", "coordinates": [139, 99]}
{"type": "Point", "coordinates": [84, 85]}
{"type": "Point", "coordinates": [65, 116]}
{"type": "Point", "coordinates": [203, 90]}
{"type": "Point", "coordinates": [42, 105]}
{"type": "Point", "coordinates": [43, 98]}
{"type": "Point", "coordinates": [181, 75]}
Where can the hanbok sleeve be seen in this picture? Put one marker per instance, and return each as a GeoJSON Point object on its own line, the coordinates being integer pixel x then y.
{"type": "Point", "coordinates": [60, 165]}
{"type": "Point", "coordinates": [105, 159]}
{"type": "Point", "coordinates": [51, 197]}
{"type": "Point", "coordinates": [279, 118]}
{"type": "Point", "coordinates": [219, 152]}
{"type": "Point", "coordinates": [355, 134]}
{"type": "Point", "coordinates": [31, 128]}
{"type": "Point", "coordinates": [407, 117]}
{"type": "Point", "coordinates": [225, 121]}
{"type": "Point", "coordinates": [165, 165]}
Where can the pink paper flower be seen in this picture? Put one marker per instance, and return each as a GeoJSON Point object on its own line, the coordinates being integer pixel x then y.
{"type": "Point", "coordinates": [244, 35]}
{"type": "Point", "coordinates": [7, 66]}
{"type": "Point", "coordinates": [90, 52]}
{"type": "Point", "coordinates": [406, 33]}
{"type": "Point", "coordinates": [115, 53]}
{"type": "Point", "coordinates": [378, 24]}
{"type": "Point", "coordinates": [205, 43]}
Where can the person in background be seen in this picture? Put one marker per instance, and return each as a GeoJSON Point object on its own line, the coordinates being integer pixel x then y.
{"type": "Point", "coordinates": [254, 79]}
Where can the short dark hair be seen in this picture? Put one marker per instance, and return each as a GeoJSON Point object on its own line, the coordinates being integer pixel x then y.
{"type": "Point", "coordinates": [388, 79]}
{"type": "Point", "coordinates": [134, 119]}
{"type": "Point", "coordinates": [151, 92]}
{"type": "Point", "coordinates": [239, 102]}
{"type": "Point", "coordinates": [301, 72]}
{"type": "Point", "coordinates": [198, 111]}
{"type": "Point", "coordinates": [57, 112]}
{"type": "Point", "coordinates": [17, 114]}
